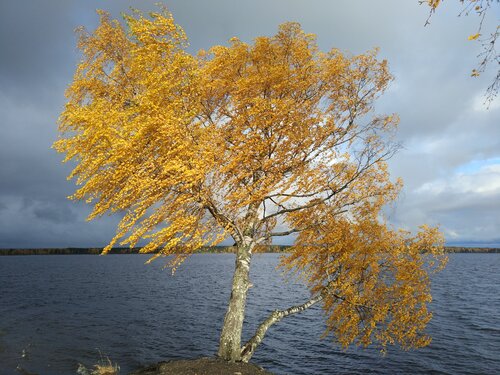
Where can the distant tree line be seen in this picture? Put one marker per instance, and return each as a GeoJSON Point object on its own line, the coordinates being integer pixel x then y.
{"type": "Point", "coordinates": [214, 249]}
{"type": "Point", "coordinates": [458, 249]}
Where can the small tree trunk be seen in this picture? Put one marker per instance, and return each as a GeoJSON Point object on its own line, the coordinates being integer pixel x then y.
{"type": "Point", "coordinates": [249, 348]}
{"type": "Point", "coordinates": [230, 339]}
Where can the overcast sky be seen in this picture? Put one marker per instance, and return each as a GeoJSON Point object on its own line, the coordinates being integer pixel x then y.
{"type": "Point", "coordinates": [450, 162]}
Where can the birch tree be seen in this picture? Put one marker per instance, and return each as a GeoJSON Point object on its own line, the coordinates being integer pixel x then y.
{"type": "Point", "coordinates": [251, 142]}
{"type": "Point", "coordinates": [489, 55]}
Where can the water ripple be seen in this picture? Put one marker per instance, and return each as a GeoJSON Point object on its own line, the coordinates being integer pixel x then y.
{"type": "Point", "coordinates": [59, 311]}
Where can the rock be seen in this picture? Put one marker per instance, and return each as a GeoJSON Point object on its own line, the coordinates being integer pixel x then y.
{"type": "Point", "coordinates": [202, 366]}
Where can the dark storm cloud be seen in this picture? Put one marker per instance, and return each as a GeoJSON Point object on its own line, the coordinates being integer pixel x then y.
{"type": "Point", "coordinates": [443, 125]}
{"type": "Point", "coordinates": [35, 46]}
{"type": "Point", "coordinates": [37, 61]}
{"type": "Point", "coordinates": [55, 214]}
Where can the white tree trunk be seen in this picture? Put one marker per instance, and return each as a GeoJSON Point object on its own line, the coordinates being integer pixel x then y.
{"type": "Point", "coordinates": [252, 344]}
{"type": "Point", "coordinates": [230, 339]}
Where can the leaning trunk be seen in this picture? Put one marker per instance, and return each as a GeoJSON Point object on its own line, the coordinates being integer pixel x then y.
{"type": "Point", "coordinates": [249, 348]}
{"type": "Point", "coordinates": [230, 339]}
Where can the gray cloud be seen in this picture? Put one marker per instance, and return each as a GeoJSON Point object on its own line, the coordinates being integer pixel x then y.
{"type": "Point", "coordinates": [443, 127]}
{"type": "Point", "coordinates": [55, 214]}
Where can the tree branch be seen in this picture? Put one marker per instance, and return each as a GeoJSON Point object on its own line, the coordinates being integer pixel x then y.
{"type": "Point", "coordinates": [285, 233]}
{"type": "Point", "coordinates": [249, 348]}
{"type": "Point", "coordinates": [294, 230]}
{"type": "Point", "coordinates": [316, 201]}
{"type": "Point", "coordinates": [223, 220]}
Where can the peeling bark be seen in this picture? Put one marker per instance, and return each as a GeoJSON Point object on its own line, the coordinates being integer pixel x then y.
{"type": "Point", "coordinates": [230, 339]}
{"type": "Point", "coordinates": [252, 344]}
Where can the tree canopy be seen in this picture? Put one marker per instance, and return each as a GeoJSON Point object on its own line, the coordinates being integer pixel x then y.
{"type": "Point", "coordinates": [251, 141]}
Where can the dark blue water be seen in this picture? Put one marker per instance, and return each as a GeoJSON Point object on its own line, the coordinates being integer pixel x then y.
{"type": "Point", "coordinates": [58, 311]}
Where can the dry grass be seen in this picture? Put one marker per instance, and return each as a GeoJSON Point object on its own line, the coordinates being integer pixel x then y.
{"type": "Point", "coordinates": [106, 368]}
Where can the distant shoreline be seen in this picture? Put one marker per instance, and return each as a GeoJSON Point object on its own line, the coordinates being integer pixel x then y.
{"type": "Point", "coordinates": [209, 250]}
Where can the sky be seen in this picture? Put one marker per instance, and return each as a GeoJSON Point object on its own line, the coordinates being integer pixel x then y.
{"type": "Point", "coordinates": [450, 160]}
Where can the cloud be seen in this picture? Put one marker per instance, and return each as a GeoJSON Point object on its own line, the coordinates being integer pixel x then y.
{"type": "Point", "coordinates": [31, 223]}
{"type": "Point", "coordinates": [55, 214]}
{"type": "Point", "coordinates": [465, 204]}
{"type": "Point", "coordinates": [443, 126]}
{"type": "Point", "coordinates": [485, 182]}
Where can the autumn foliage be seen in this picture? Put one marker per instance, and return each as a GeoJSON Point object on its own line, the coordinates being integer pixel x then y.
{"type": "Point", "coordinates": [251, 141]}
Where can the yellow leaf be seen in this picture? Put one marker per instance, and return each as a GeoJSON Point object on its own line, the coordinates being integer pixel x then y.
{"type": "Point", "coordinates": [474, 36]}
{"type": "Point", "coordinates": [433, 3]}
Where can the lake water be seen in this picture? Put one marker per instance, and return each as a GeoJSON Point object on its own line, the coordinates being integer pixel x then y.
{"type": "Point", "coordinates": [58, 311]}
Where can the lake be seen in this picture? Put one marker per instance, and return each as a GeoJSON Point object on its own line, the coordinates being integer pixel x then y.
{"type": "Point", "coordinates": [58, 311]}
